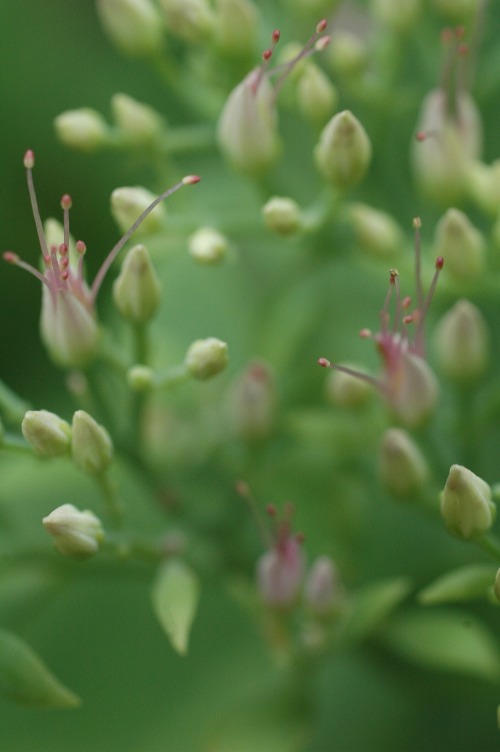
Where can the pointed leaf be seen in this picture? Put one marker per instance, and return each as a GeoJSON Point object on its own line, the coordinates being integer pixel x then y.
{"type": "Point", "coordinates": [175, 596]}
{"type": "Point", "coordinates": [25, 679]}
{"type": "Point", "coordinates": [462, 584]}
{"type": "Point", "coordinates": [372, 605]}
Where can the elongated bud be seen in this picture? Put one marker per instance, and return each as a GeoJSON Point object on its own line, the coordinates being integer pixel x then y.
{"type": "Point", "coordinates": [206, 358]}
{"type": "Point", "coordinates": [282, 215]}
{"type": "Point", "coordinates": [397, 15]}
{"type": "Point", "coordinates": [376, 232]}
{"type": "Point", "coordinates": [68, 329]}
{"type": "Point", "coordinates": [280, 573]}
{"type": "Point", "coordinates": [317, 97]}
{"type": "Point", "coordinates": [403, 469]}
{"type": "Point", "coordinates": [461, 244]}
{"type": "Point", "coordinates": [133, 25]}
{"type": "Point", "coordinates": [128, 203]}
{"type": "Point", "coordinates": [417, 393]}
{"type": "Point", "coordinates": [483, 183]}
{"type": "Point", "coordinates": [137, 289]}
{"type": "Point", "coordinates": [236, 27]}
{"type": "Point", "coordinates": [76, 534]}
{"type": "Point", "coordinates": [466, 504]}
{"type": "Point", "coordinates": [462, 342]}
{"type": "Point", "coordinates": [343, 153]}
{"type": "Point", "coordinates": [348, 54]}
{"type": "Point", "coordinates": [48, 434]}
{"type": "Point", "coordinates": [140, 124]}
{"type": "Point", "coordinates": [207, 246]}
{"type": "Point", "coordinates": [323, 589]}
{"type": "Point", "coordinates": [92, 448]}
{"type": "Point", "coordinates": [83, 129]}
{"type": "Point", "coordinates": [347, 391]}
{"type": "Point", "coordinates": [252, 403]}
{"type": "Point", "coordinates": [189, 20]}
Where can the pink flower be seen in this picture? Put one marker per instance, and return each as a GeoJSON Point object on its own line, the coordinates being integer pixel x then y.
{"type": "Point", "coordinates": [280, 570]}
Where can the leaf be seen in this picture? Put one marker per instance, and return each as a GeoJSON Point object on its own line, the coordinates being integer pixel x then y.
{"type": "Point", "coordinates": [25, 679]}
{"type": "Point", "coordinates": [372, 605]}
{"type": "Point", "coordinates": [462, 584]}
{"type": "Point", "coordinates": [445, 640]}
{"type": "Point", "coordinates": [175, 595]}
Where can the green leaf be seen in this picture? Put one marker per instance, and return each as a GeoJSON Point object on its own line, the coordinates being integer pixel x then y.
{"type": "Point", "coordinates": [462, 584]}
{"type": "Point", "coordinates": [25, 679]}
{"type": "Point", "coordinates": [372, 605]}
{"type": "Point", "coordinates": [175, 595]}
{"type": "Point", "coordinates": [445, 640]}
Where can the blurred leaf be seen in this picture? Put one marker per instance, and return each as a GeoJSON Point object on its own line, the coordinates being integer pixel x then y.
{"type": "Point", "coordinates": [175, 596]}
{"type": "Point", "coordinates": [445, 640]}
{"type": "Point", "coordinates": [372, 605]}
{"type": "Point", "coordinates": [462, 584]}
{"type": "Point", "coordinates": [25, 679]}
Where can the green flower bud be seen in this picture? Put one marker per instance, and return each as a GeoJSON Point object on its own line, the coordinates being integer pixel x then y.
{"type": "Point", "coordinates": [68, 328]}
{"type": "Point", "coordinates": [317, 97]}
{"type": "Point", "coordinates": [398, 15]}
{"type": "Point", "coordinates": [83, 129]}
{"type": "Point", "coordinates": [140, 378]}
{"type": "Point", "coordinates": [48, 434]}
{"type": "Point", "coordinates": [133, 25]}
{"type": "Point", "coordinates": [189, 20]}
{"type": "Point", "coordinates": [348, 54]}
{"type": "Point", "coordinates": [375, 231]}
{"type": "Point", "coordinates": [347, 391]}
{"type": "Point", "coordinates": [140, 124]}
{"type": "Point", "coordinates": [416, 393]}
{"type": "Point", "coordinates": [236, 27]}
{"type": "Point", "coordinates": [461, 244]}
{"type": "Point", "coordinates": [282, 215]}
{"type": "Point", "coordinates": [76, 534]}
{"type": "Point", "coordinates": [92, 448]}
{"type": "Point", "coordinates": [206, 358]}
{"type": "Point", "coordinates": [128, 203]}
{"type": "Point", "coordinates": [403, 469]}
{"type": "Point", "coordinates": [483, 182]}
{"type": "Point", "coordinates": [207, 246]}
{"type": "Point", "coordinates": [343, 153]}
{"type": "Point", "coordinates": [466, 504]}
{"type": "Point", "coordinates": [462, 342]}
{"type": "Point", "coordinates": [137, 289]}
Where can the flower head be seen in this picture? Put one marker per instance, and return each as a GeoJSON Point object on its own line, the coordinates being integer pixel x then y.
{"type": "Point", "coordinates": [68, 322]}
{"type": "Point", "coordinates": [407, 382]}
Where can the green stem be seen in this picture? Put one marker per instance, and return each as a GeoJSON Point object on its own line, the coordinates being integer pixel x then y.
{"type": "Point", "coordinates": [111, 501]}
{"type": "Point", "coordinates": [189, 139]}
{"type": "Point", "coordinates": [491, 544]}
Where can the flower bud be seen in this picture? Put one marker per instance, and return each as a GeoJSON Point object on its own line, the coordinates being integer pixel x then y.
{"type": "Point", "coordinates": [466, 504]}
{"type": "Point", "coordinates": [347, 391]}
{"type": "Point", "coordinates": [128, 203]}
{"type": "Point", "coordinates": [375, 231]}
{"type": "Point", "coordinates": [48, 434]}
{"type": "Point", "coordinates": [206, 358]}
{"type": "Point", "coordinates": [280, 572]}
{"type": "Point", "coordinates": [462, 342]}
{"type": "Point", "coordinates": [140, 124]}
{"type": "Point", "coordinates": [322, 589]}
{"type": "Point", "coordinates": [416, 393]}
{"type": "Point", "coordinates": [76, 534]}
{"type": "Point", "coordinates": [68, 329]}
{"type": "Point", "coordinates": [92, 448]}
{"type": "Point", "coordinates": [137, 289]}
{"type": "Point", "coordinates": [344, 151]}
{"type": "Point", "coordinates": [236, 26]}
{"type": "Point", "coordinates": [282, 215]}
{"type": "Point", "coordinates": [403, 469]}
{"type": "Point", "coordinates": [461, 244]}
{"type": "Point", "coordinates": [348, 54]}
{"type": "Point", "coordinates": [140, 378]}
{"type": "Point", "coordinates": [83, 129]}
{"type": "Point", "coordinates": [483, 182]}
{"type": "Point", "coordinates": [398, 15]}
{"type": "Point", "coordinates": [189, 20]}
{"type": "Point", "coordinates": [133, 25]}
{"type": "Point", "coordinates": [317, 97]}
{"type": "Point", "coordinates": [252, 403]}
{"type": "Point", "coordinates": [207, 246]}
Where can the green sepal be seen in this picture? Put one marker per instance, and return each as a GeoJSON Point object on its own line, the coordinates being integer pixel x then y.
{"type": "Point", "coordinates": [462, 584]}
{"type": "Point", "coordinates": [175, 595]}
{"type": "Point", "coordinates": [372, 605]}
{"type": "Point", "coordinates": [26, 680]}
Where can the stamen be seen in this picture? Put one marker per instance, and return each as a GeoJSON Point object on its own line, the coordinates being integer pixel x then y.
{"type": "Point", "coordinates": [13, 258]}
{"type": "Point", "coordinates": [417, 224]}
{"type": "Point", "coordinates": [308, 49]}
{"type": "Point", "coordinates": [66, 204]}
{"type": "Point", "coordinates": [80, 249]}
{"type": "Point", "coordinates": [377, 383]}
{"type": "Point", "coordinates": [29, 163]}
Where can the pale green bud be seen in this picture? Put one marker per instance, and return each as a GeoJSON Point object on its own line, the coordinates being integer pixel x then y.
{"type": "Point", "coordinates": [344, 151]}
{"type": "Point", "coordinates": [76, 534]}
{"type": "Point", "coordinates": [466, 504]}
{"type": "Point", "coordinates": [48, 434]}
{"type": "Point", "coordinates": [348, 54]}
{"type": "Point", "coordinates": [137, 289]}
{"type": "Point", "coordinates": [416, 393]}
{"type": "Point", "coordinates": [403, 469]}
{"type": "Point", "coordinates": [189, 20]}
{"type": "Point", "coordinates": [206, 358]}
{"type": "Point", "coordinates": [68, 328]}
{"type": "Point", "coordinates": [483, 183]}
{"type": "Point", "coordinates": [462, 342]}
{"type": "Point", "coordinates": [92, 448]}
{"type": "Point", "coordinates": [127, 204]}
{"type": "Point", "coordinates": [133, 25]}
{"type": "Point", "coordinates": [140, 124]}
{"type": "Point", "coordinates": [375, 231]}
{"type": "Point", "coordinates": [317, 97]}
{"type": "Point", "coordinates": [398, 15]}
{"type": "Point", "coordinates": [207, 246]}
{"type": "Point", "coordinates": [83, 129]}
{"type": "Point", "coordinates": [236, 27]}
{"type": "Point", "coordinates": [461, 245]}
{"type": "Point", "coordinates": [347, 391]}
{"type": "Point", "coordinates": [282, 215]}
{"type": "Point", "coordinates": [140, 378]}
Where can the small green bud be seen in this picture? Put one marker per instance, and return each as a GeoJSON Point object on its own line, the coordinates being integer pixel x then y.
{"type": "Point", "coordinates": [347, 391]}
{"type": "Point", "coordinates": [483, 183]}
{"type": "Point", "coordinates": [137, 289]}
{"type": "Point", "coordinates": [83, 129]}
{"type": "Point", "coordinates": [344, 151]}
{"type": "Point", "coordinates": [282, 215]}
{"type": "Point", "coordinates": [403, 469]}
{"type": "Point", "coordinates": [461, 244]}
{"type": "Point", "coordinates": [206, 358]}
{"type": "Point", "coordinates": [189, 20]}
{"type": "Point", "coordinates": [317, 97]}
{"type": "Point", "coordinates": [133, 25]}
{"type": "Point", "coordinates": [417, 391]}
{"type": "Point", "coordinates": [207, 246]}
{"type": "Point", "coordinates": [375, 231]}
{"type": "Point", "coordinates": [92, 448]}
{"type": "Point", "coordinates": [140, 124]}
{"type": "Point", "coordinates": [348, 54]}
{"type": "Point", "coordinates": [462, 342]}
{"type": "Point", "coordinates": [128, 203]}
{"type": "Point", "coordinates": [76, 534]}
{"type": "Point", "coordinates": [466, 504]}
{"type": "Point", "coordinates": [140, 378]}
{"type": "Point", "coordinates": [398, 15]}
{"type": "Point", "coordinates": [48, 434]}
{"type": "Point", "coordinates": [236, 26]}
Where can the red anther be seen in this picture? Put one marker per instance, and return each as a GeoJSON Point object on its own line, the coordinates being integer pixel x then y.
{"type": "Point", "coordinates": [420, 136]}
{"type": "Point", "coordinates": [463, 50]}
{"type": "Point", "coordinates": [417, 223]}
{"type": "Point", "coordinates": [365, 333]}
{"type": "Point", "coordinates": [276, 36]}
{"type": "Point", "coordinates": [191, 179]}
{"type": "Point", "coordinates": [242, 488]}
{"type": "Point", "coordinates": [258, 372]}
{"type": "Point", "coordinates": [64, 275]}
{"type": "Point", "coordinates": [408, 319]}
{"type": "Point", "coordinates": [447, 35]}
{"type": "Point", "coordinates": [29, 159]}
{"type": "Point", "coordinates": [267, 54]}
{"type": "Point", "coordinates": [10, 257]}
{"type": "Point", "coordinates": [271, 510]}
{"type": "Point", "coordinates": [322, 43]}
{"type": "Point", "coordinates": [300, 537]}
{"type": "Point", "coordinates": [406, 302]}
{"type": "Point", "coordinates": [46, 260]}
{"type": "Point", "coordinates": [439, 262]}
{"type": "Point", "coordinates": [64, 262]}
{"type": "Point", "coordinates": [322, 26]}
{"type": "Point", "coordinates": [63, 249]}
{"type": "Point", "coordinates": [66, 202]}
{"type": "Point", "coordinates": [80, 246]}
{"type": "Point", "coordinates": [393, 273]}
{"type": "Point", "coordinates": [324, 363]}
{"type": "Point", "coordinates": [459, 32]}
